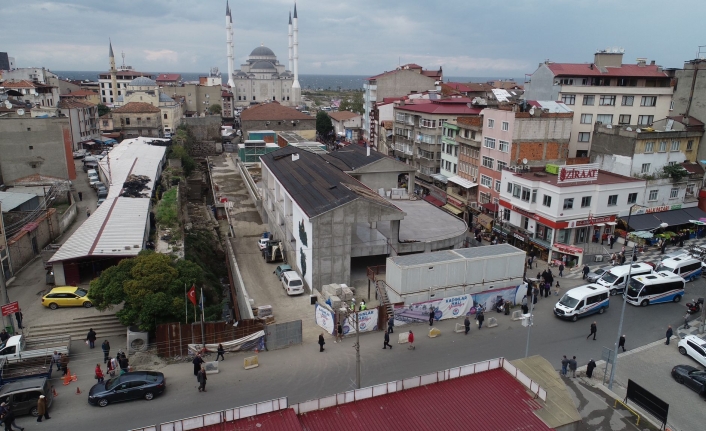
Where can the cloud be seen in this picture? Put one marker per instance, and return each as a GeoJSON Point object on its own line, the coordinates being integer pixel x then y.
{"type": "Point", "coordinates": [165, 55]}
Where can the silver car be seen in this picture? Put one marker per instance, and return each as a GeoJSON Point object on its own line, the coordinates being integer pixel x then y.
{"type": "Point", "coordinates": [597, 273]}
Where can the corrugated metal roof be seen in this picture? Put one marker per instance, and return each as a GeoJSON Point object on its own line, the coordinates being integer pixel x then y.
{"type": "Point", "coordinates": [117, 226]}
{"type": "Point", "coordinates": [10, 201]}
{"type": "Point", "coordinates": [132, 156]}
{"type": "Point", "coordinates": [281, 420]}
{"type": "Point", "coordinates": [486, 251]}
{"type": "Point", "coordinates": [425, 258]}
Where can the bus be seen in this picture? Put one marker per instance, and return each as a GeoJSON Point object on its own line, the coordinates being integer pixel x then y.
{"type": "Point", "coordinates": [662, 286]}
{"type": "Point", "coordinates": [686, 266]}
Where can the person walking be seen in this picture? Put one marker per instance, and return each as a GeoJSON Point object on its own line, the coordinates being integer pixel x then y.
{"type": "Point", "coordinates": [198, 361]}
{"type": "Point", "coordinates": [18, 316]}
{"type": "Point", "coordinates": [106, 351]}
{"type": "Point", "coordinates": [410, 338]}
{"type": "Point", "coordinates": [663, 246]}
{"type": "Point", "coordinates": [481, 318]}
{"type": "Point", "coordinates": [621, 342]}
{"type": "Point", "coordinates": [99, 374]}
{"type": "Point", "coordinates": [113, 366]}
{"type": "Point", "coordinates": [561, 269]}
{"type": "Point", "coordinates": [339, 333]}
{"type": "Point", "coordinates": [572, 366]}
{"type": "Point", "coordinates": [64, 364]}
{"type": "Point", "coordinates": [91, 338]}
{"type": "Point", "coordinates": [564, 365]}
{"type": "Point", "coordinates": [391, 324]}
{"type": "Point", "coordinates": [42, 408]}
{"type": "Point", "coordinates": [9, 420]}
{"type": "Point", "coordinates": [590, 367]}
{"type": "Point", "coordinates": [56, 359]}
{"type": "Point", "coordinates": [321, 342]}
{"type": "Point", "coordinates": [80, 196]}
{"type": "Point", "coordinates": [556, 289]}
{"type": "Point", "coordinates": [467, 324]}
{"type": "Point", "coordinates": [594, 329]}
{"type": "Point", "coordinates": [201, 377]}
{"type": "Point", "coordinates": [110, 368]}
{"type": "Point", "coordinates": [221, 351]}
{"type": "Point", "coordinates": [431, 316]}
{"type": "Point", "coordinates": [669, 334]}
{"type": "Point", "coordinates": [525, 308]}
{"type": "Point", "coordinates": [386, 344]}
{"type": "Point", "coordinates": [124, 363]}
{"type": "Point", "coordinates": [586, 270]}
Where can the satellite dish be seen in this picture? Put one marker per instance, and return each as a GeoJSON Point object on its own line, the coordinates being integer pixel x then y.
{"type": "Point", "coordinates": [524, 161]}
{"type": "Point", "coordinates": [8, 104]}
{"type": "Point", "coordinates": [531, 111]}
{"type": "Point", "coordinates": [629, 129]}
{"type": "Point", "coordinates": [638, 130]}
{"type": "Point", "coordinates": [20, 112]}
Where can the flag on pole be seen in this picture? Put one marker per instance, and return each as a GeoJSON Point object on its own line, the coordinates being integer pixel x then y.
{"type": "Point", "coordinates": [192, 294]}
{"type": "Point", "coordinates": [201, 300]}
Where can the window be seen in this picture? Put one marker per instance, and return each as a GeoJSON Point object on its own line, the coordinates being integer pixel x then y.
{"type": "Point", "coordinates": [586, 118]}
{"type": "Point", "coordinates": [607, 101]}
{"type": "Point", "coordinates": [525, 194]}
{"type": "Point", "coordinates": [567, 81]}
{"type": "Point", "coordinates": [497, 186]}
{"type": "Point", "coordinates": [504, 146]}
{"type": "Point", "coordinates": [509, 187]}
{"type": "Point", "coordinates": [675, 146]}
{"type": "Point", "coordinates": [653, 195]}
{"type": "Point", "coordinates": [632, 198]}
{"type": "Point", "coordinates": [645, 120]}
{"type": "Point", "coordinates": [585, 201]}
{"type": "Point", "coordinates": [648, 101]}
{"type": "Point", "coordinates": [589, 100]}
{"type": "Point", "coordinates": [674, 193]}
{"type": "Point", "coordinates": [689, 145]}
{"type": "Point", "coordinates": [584, 136]}
{"type": "Point", "coordinates": [488, 162]}
{"type": "Point", "coordinates": [568, 99]}
{"type": "Point", "coordinates": [516, 190]}
{"type": "Point", "coordinates": [165, 115]}
{"type": "Point", "coordinates": [624, 119]}
{"type": "Point", "coordinates": [663, 147]}
{"type": "Point", "coordinates": [568, 203]}
{"type": "Point", "coordinates": [628, 100]}
{"type": "Point", "coordinates": [534, 196]}
{"type": "Point", "coordinates": [505, 126]}
{"type": "Point", "coordinates": [547, 201]}
{"type": "Point", "coordinates": [605, 118]}
{"type": "Point", "coordinates": [489, 143]}
{"type": "Point", "coordinates": [501, 165]}
{"type": "Point", "coordinates": [650, 147]}
{"type": "Point", "coordinates": [672, 163]}
{"type": "Point", "coordinates": [690, 189]}
{"type": "Point", "coordinates": [486, 181]}
{"type": "Point", "coordinates": [506, 214]}
{"type": "Point", "coordinates": [127, 121]}
{"type": "Point", "coordinates": [645, 168]}
{"type": "Point", "coordinates": [671, 105]}
{"type": "Point", "coordinates": [612, 200]}
{"type": "Point", "coordinates": [491, 123]}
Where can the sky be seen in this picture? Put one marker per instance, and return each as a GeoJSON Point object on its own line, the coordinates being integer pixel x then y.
{"type": "Point", "coordinates": [488, 38]}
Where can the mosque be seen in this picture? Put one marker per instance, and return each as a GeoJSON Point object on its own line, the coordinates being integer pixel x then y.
{"type": "Point", "coordinates": [262, 78]}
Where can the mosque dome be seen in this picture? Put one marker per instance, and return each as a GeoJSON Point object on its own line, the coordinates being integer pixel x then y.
{"type": "Point", "coordinates": [143, 81]}
{"type": "Point", "coordinates": [262, 51]}
{"type": "Point", "coordinates": [263, 65]}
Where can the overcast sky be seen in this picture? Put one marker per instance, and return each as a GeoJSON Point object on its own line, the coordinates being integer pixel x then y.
{"type": "Point", "coordinates": [504, 38]}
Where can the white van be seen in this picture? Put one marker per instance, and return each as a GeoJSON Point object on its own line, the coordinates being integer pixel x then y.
{"type": "Point", "coordinates": [292, 283]}
{"type": "Point", "coordinates": [662, 286]}
{"type": "Point", "coordinates": [686, 266]}
{"type": "Point", "coordinates": [617, 276]}
{"type": "Point", "coordinates": [582, 301]}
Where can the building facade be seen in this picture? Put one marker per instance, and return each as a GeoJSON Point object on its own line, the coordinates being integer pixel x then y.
{"type": "Point", "coordinates": [135, 119]}
{"type": "Point", "coordinates": [42, 97]}
{"type": "Point", "coordinates": [83, 119]}
{"type": "Point", "coordinates": [273, 116]}
{"type": "Point", "coordinates": [197, 98]}
{"type": "Point", "coordinates": [690, 95]}
{"type": "Point", "coordinates": [146, 90]}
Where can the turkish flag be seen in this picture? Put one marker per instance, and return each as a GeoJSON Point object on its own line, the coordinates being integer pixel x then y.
{"type": "Point", "coordinates": [192, 295]}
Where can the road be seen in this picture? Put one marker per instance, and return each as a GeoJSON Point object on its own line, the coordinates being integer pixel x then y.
{"type": "Point", "coordinates": [302, 373]}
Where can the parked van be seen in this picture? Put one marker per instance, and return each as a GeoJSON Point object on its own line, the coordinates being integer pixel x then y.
{"type": "Point", "coordinates": [686, 266]}
{"type": "Point", "coordinates": [662, 286]}
{"type": "Point", "coordinates": [22, 395]}
{"type": "Point", "coordinates": [292, 283]}
{"type": "Point", "coordinates": [582, 301]}
{"type": "Point", "coordinates": [616, 278]}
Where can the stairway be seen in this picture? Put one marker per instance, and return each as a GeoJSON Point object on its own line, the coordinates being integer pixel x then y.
{"type": "Point", "coordinates": [104, 325]}
{"type": "Point", "coordinates": [382, 296]}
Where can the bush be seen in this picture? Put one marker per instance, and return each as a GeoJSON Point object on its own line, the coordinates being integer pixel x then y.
{"type": "Point", "coordinates": [167, 210]}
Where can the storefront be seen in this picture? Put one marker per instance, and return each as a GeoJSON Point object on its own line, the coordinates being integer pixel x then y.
{"type": "Point", "coordinates": [569, 255]}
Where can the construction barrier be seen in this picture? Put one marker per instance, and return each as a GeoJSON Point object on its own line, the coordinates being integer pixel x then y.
{"type": "Point", "coordinates": [250, 362]}
{"type": "Point", "coordinates": [517, 315]}
{"type": "Point", "coordinates": [492, 322]}
{"type": "Point", "coordinates": [403, 338]}
{"type": "Point", "coordinates": [434, 332]}
{"type": "Point", "coordinates": [460, 328]}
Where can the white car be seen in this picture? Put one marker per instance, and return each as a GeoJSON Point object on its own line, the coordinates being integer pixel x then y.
{"type": "Point", "coordinates": [695, 347]}
{"type": "Point", "coordinates": [262, 243]}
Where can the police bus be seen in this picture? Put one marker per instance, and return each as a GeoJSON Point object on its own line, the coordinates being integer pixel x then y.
{"type": "Point", "coordinates": [655, 288]}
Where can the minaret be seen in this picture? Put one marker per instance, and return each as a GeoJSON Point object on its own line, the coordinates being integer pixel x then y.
{"type": "Point", "coordinates": [229, 45]}
{"type": "Point", "coordinates": [113, 74]}
{"type": "Point", "coordinates": [291, 67]}
{"type": "Point", "coordinates": [296, 88]}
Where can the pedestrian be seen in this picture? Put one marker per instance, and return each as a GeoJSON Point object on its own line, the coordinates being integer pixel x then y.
{"type": "Point", "coordinates": [18, 316]}
{"type": "Point", "coordinates": [669, 334]}
{"type": "Point", "coordinates": [110, 368]}
{"type": "Point", "coordinates": [390, 324]}
{"type": "Point", "coordinates": [410, 338]}
{"type": "Point", "coordinates": [42, 408]}
{"type": "Point", "coordinates": [124, 364]}
{"type": "Point", "coordinates": [589, 368]}
{"type": "Point", "coordinates": [113, 366]}
{"type": "Point", "coordinates": [221, 351]}
{"type": "Point", "coordinates": [621, 342]}
{"type": "Point", "coordinates": [681, 240]}
{"type": "Point", "coordinates": [604, 237]}
{"type": "Point", "coordinates": [99, 373]}
{"type": "Point", "coordinates": [9, 420]}
{"type": "Point", "coordinates": [481, 318]}
{"type": "Point", "coordinates": [622, 258]}
{"type": "Point", "coordinates": [612, 259]}
{"type": "Point", "coordinates": [564, 365]}
{"type": "Point", "coordinates": [594, 329]}
{"type": "Point", "coordinates": [431, 316]}
{"type": "Point", "coordinates": [586, 270]}
{"type": "Point", "coordinates": [56, 359]}
{"type": "Point", "coordinates": [525, 309]}
{"type": "Point", "coordinates": [64, 364]}
{"type": "Point", "coordinates": [201, 377]}
{"type": "Point", "coordinates": [4, 336]}
{"type": "Point", "coordinates": [535, 294]}
{"type": "Point", "coordinates": [547, 288]}
{"type": "Point", "coordinates": [362, 305]}
{"type": "Point", "coordinates": [106, 351]}
{"type": "Point", "coordinates": [386, 344]}
{"type": "Point", "coordinates": [467, 324]}
{"type": "Point", "coordinates": [686, 320]}
{"type": "Point", "coordinates": [561, 269]}
{"type": "Point", "coordinates": [198, 361]}
{"type": "Point", "coordinates": [80, 196]}
{"type": "Point", "coordinates": [611, 241]}
{"type": "Point", "coordinates": [572, 366]}
{"type": "Point", "coordinates": [321, 342]}
{"type": "Point", "coordinates": [664, 246]}
{"type": "Point", "coordinates": [556, 289]}
{"type": "Point", "coordinates": [88, 212]}
{"type": "Point", "coordinates": [91, 338]}
{"type": "Point", "coordinates": [339, 333]}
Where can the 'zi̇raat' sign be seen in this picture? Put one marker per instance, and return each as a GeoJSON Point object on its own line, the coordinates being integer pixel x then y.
{"type": "Point", "coordinates": [576, 173]}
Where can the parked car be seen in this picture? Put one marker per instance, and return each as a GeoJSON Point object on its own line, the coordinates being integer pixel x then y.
{"type": "Point", "coordinates": [66, 296]}
{"type": "Point", "coordinates": [695, 347]}
{"type": "Point", "coordinates": [22, 395]}
{"type": "Point", "coordinates": [99, 185]}
{"type": "Point", "coordinates": [691, 377]}
{"type": "Point", "coordinates": [281, 269]}
{"type": "Point", "coordinates": [100, 201]}
{"type": "Point", "coordinates": [292, 283]}
{"type": "Point", "coordinates": [129, 386]}
{"type": "Point", "coordinates": [597, 273]}
{"type": "Point", "coordinates": [79, 154]}
{"type": "Point", "coordinates": [102, 193]}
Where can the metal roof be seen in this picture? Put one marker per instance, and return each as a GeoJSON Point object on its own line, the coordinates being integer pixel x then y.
{"type": "Point", "coordinates": [117, 228]}
{"type": "Point", "coordinates": [462, 182]}
{"type": "Point", "coordinates": [487, 251]}
{"type": "Point", "coordinates": [352, 157]}
{"type": "Point", "coordinates": [9, 201]}
{"type": "Point", "coordinates": [452, 255]}
{"type": "Point", "coordinates": [132, 157]}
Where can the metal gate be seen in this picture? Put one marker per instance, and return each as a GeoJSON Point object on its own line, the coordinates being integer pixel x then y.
{"type": "Point", "coordinates": [281, 335]}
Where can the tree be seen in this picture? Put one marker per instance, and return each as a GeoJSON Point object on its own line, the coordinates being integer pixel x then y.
{"type": "Point", "coordinates": [353, 103]}
{"type": "Point", "coordinates": [180, 152]}
{"type": "Point", "coordinates": [324, 127]}
{"type": "Point", "coordinates": [102, 109]}
{"type": "Point", "coordinates": [215, 109]}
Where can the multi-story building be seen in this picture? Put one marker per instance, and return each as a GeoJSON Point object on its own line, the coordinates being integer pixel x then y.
{"type": "Point", "coordinates": [137, 119]}
{"type": "Point", "coordinates": [83, 119]}
{"type": "Point", "coordinates": [168, 79]}
{"type": "Point", "coordinates": [560, 214]}
{"type": "Point", "coordinates": [41, 96]}
{"type": "Point", "coordinates": [689, 97]}
{"type": "Point", "coordinates": [83, 96]}
{"type": "Point", "coordinates": [123, 77]}
{"type": "Point", "coordinates": [449, 149]}
{"type": "Point", "coordinates": [199, 98]}
{"type": "Point", "coordinates": [346, 123]}
{"type": "Point", "coordinates": [146, 90]}
{"type": "Point", "coordinates": [605, 91]}
{"type": "Point", "coordinates": [404, 80]}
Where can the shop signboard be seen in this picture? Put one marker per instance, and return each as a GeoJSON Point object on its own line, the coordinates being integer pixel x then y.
{"type": "Point", "coordinates": [568, 249]}
{"type": "Point", "coordinates": [518, 236]}
{"type": "Point", "coordinates": [592, 221]}
{"type": "Point", "coordinates": [367, 321]}
{"type": "Point", "coordinates": [662, 208]}
{"type": "Point", "coordinates": [577, 173]}
{"type": "Point", "coordinates": [324, 318]}
{"type": "Point", "coordinates": [455, 202]}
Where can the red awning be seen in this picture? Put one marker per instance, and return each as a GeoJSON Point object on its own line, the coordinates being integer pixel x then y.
{"type": "Point", "coordinates": [434, 201]}
{"type": "Point", "coordinates": [490, 207]}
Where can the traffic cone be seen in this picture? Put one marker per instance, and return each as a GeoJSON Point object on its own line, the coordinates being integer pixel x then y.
{"type": "Point", "coordinates": [53, 392]}
{"type": "Point", "coordinates": [78, 390]}
{"type": "Point", "coordinates": [67, 378]}
{"type": "Point", "coordinates": [74, 378]}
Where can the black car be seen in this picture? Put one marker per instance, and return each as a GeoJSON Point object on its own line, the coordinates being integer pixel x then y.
{"type": "Point", "coordinates": [129, 386]}
{"type": "Point", "coordinates": [691, 377]}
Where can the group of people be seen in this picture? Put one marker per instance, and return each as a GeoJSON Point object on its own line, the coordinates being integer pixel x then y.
{"type": "Point", "coordinates": [61, 361]}
{"type": "Point", "coordinates": [571, 365]}
{"type": "Point", "coordinates": [200, 371]}
{"type": "Point", "coordinates": [544, 284]}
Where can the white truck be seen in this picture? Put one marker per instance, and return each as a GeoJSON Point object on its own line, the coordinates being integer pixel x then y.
{"type": "Point", "coordinates": [17, 348]}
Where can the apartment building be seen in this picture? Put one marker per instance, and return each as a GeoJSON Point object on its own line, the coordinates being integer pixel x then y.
{"type": "Point", "coordinates": [40, 96]}
{"type": "Point", "coordinates": [83, 120]}
{"type": "Point", "coordinates": [123, 76]}
{"type": "Point", "coordinates": [690, 95]}
{"type": "Point", "coordinates": [605, 91]}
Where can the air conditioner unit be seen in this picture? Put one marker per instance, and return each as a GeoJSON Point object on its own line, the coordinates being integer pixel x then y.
{"type": "Point", "coordinates": [475, 179]}
{"type": "Point", "coordinates": [474, 204]}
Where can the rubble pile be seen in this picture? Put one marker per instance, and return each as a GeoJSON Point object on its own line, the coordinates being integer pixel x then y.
{"type": "Point", "coordinates": [135, 185]}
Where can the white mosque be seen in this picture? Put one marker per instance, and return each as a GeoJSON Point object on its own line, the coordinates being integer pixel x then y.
{"type": "Point", "coordinates": [262, 78]}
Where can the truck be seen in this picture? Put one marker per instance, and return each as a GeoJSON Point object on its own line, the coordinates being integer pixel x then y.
{"type": "Point", "coordinates": [28, 369]}
{"type": "Point", "coordinates": [272, 251]}
{"type": "Point", "coordinates": [19, 349]}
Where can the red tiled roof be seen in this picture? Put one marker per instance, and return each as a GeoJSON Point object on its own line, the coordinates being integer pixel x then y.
{"type": "Point", "coordinates": [281, 420]}
{"type": "Point", "coordinates": [80, 93]}
{"type": "Point", "coordinates": [693, 122]}
{"type": "Point", "coordinates": [272, 111]}
{"type": "Point", "coordinates": [626, 70]}
{"type": "Point", "coordinates": [19, 84]}
{"type": "Point", "coordinates": [162, 77]}
{"type": "Point", "coordinates": [137, 108]}
{"type": "Point", "coordinates": [343, 115]}
{"type": "Point", "coordinates": [441, 108]}
{"type": "Point", "coordinates": [693, 168]}
{"type": "Point", "coordinates": [75, 104]}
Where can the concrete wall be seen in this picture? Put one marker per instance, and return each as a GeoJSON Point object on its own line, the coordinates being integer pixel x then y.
{"type": "Point", "coordinates": [691, 84]}
{"type": "Point", "coordinates": [205, 128]}
{"type": "Point", "coordinates": [68, 217]}
{"type": "Point", "coordinates": [541, 85]}
{"type": "Point", "coordinates": [378, 180]}
{"type": "Point", "coordinates": [304, 128]}
{"type": "Point", "coordinates": [25, 246]}
{"type": "Point", "coordinates": [30, 146]}
{"type": "Point", "coordinates": [195, 96]}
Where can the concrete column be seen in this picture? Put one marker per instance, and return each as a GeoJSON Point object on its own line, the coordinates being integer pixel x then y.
{"type": "Point", "coordinates": [410, 184]}
{"type": "Point", "coordinates": [394, 236]}
{"type": "Point", "coordinates": [427, 247]}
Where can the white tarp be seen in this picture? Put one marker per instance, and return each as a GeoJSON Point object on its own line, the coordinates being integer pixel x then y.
{"type": "Point", "coordinates": [245, 343]}
{"type": "Point", "coordinates": [367, 321]}
{"type": "Point", "coordinates": [324, 318]}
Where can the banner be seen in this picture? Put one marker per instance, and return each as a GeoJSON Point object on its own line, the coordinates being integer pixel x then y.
{"type": "Point", "coordinates": [367, 321]}
{"type": "Point", "coordinates": [249, 342]}
{"type": "Point", "coordinates": [324, 318]}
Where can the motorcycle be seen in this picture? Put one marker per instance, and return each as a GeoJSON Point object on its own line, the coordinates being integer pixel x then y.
{"type": "Point", "coordinates": [694, 306]}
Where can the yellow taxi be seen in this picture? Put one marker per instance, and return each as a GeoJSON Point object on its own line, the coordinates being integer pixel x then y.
{"type": "Point", "coordinates": [66, 296]}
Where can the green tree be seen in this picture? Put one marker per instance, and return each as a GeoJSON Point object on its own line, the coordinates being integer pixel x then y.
{"type": "Point", "coordinates": [187, 162]}
{"type": "Point", "coordinates": [324, 127]}
{"type": "Point", "coordinates": [353, 103]}
{"type": "Point", "coordinates": [102, 109]}
{"type": "Point", "coordinates": [215, 109]}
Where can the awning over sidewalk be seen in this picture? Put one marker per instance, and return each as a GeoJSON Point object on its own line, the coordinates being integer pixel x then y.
{"type": "Point", "coordinates": [452, 209]}
{"type": "Point", "coordinates": [434, 201]}
{"type": "Point", "coordinates": [672, 218]}
{"type": "Point", "coordinates": [485, 220]}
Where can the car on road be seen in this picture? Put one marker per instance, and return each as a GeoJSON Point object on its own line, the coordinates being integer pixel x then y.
{"type": "Point", "coordinates": [693, 346]}
{"type": "Point", "coordinates": [292, 283]}
{"type": "Point", "coordinates": [100, 201]}
{"type": "Point", "coordinates": [597, 273]}
{"type": "Point", "coordinates": [22, 395]}
{"type": "Point", "coordinates": [79, 154]}
{"type": "Point", "coordinates": [691, 377]}
{"type": "Point", "coordinates": [129, 386]}
{"type": "Point", "coordinates": [99, 185]}
{"type": "Point", "coordinates": [66, 296]}
{"type": "Point", "coordinates": [281, 269]}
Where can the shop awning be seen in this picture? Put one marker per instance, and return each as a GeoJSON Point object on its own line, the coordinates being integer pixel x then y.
{"type": "Point", "coordinates": [485, 220]}
{"type": "Point", "coordinates": [599, 224]}
{"type": "Point", "coordinates": [490, 207]}
{"type": "Point", "coordinates": [695, 213]}
{"type": "Point", "coordinates": [673, 218]}
{"type": "Point", "coordinates": [452, 209]}
{"type": "Point", "coordinates": [643, 222]}
{"type": "Point", "coordinates": [439, 177]}
{"type": "Point", "coordinates": [466, 184]}
{"type": "Point", "coordinates": [434, 201]}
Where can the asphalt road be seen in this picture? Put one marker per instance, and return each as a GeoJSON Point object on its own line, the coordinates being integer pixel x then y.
{"type": "Point", "coordinates": [302, 373]}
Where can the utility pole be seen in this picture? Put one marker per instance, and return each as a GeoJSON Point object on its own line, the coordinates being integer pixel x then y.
{"type": "Point", "coordinates": [529, 326]}
{"type": "Point", "coordinates": [357, 352]}
{"type": "Point", "coordinates": [3, 293]}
